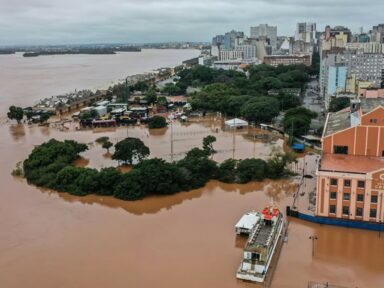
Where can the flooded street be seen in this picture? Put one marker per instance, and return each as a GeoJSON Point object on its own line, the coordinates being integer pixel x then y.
{"type": "Point", "coordinates": [185, 240]}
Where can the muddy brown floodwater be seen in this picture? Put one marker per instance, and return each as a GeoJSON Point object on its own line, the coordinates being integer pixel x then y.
{"type": "Point", "coordinates": [51, 239]}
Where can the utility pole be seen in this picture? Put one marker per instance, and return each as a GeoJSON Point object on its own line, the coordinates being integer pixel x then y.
{"type": "Point", "coordinates": [254, 140]}
{"type": "Point", "coordinates": [126, 90]}
{"type": "Point", "coordinates": [290, 139]}
{"type": "Point", "coordinates": [313, 238]}
{"type": "Point", "coordinates": [381, 212]}
{"type": "Point", "coordinates": [126, 98]}
{"type": "Point", "coordinates": [171, 141]}
{"type": "Point", "coordinates": [233, 143]}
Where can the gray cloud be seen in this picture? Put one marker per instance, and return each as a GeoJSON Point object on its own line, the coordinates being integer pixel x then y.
{"type": "Point", "coordinates": [90, 21]}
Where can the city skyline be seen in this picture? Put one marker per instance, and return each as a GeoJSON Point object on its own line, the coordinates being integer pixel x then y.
{"type": "Point", "coordinates": [46, 22]}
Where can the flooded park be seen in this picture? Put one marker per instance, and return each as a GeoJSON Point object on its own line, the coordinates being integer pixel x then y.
{"type": "Point", "coordinates": [186, 239]}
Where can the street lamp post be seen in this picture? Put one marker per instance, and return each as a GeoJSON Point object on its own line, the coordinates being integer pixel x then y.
{"type": "Point", "coordinates": [380, 221]}
{"type": "Point", "coordinates": [313, 238]}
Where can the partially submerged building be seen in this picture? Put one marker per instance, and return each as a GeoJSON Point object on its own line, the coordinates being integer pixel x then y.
{"type": "Point", "coordinates": [350, 177]}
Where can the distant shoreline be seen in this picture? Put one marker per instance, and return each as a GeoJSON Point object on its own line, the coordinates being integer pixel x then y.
{"type": "Point", "coordinates": [87, 51]}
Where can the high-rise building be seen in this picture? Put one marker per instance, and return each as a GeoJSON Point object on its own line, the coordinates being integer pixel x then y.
{"type": "Point", "coordinates": [306, 32]}
{"type": "Point", "coordinates": [350, 177]}
{"type": "Point", "coordinates": [366, 66]}
{"type": "Point", "coordinates": [337, 77]}
{"type": "Point", "coordinates": [264, 30]}
{"type": "Point", "coordinates": [336, 67]}
{"type": "Point", "coordinates": [232, 38]}
{"type": "Point", "coordinates": [377, 33]}
{"type": "Point", "coordinates": [218, 40]}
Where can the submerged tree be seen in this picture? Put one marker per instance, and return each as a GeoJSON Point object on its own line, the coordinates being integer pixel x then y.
{"type": "Point", "coordinates": [107, 145]}
{"type": "Point", "coordinates": [157, 122]}
{"type": "Point", "coordinates": [15, 113]}
{"type": "Point", "coordinates": [130, 149]}
{"type": "Point", "coordinates": [208, 145]}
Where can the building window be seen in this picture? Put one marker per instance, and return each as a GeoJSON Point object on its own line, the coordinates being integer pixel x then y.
{"type": "Point", "coordinates": [360, 184]}
{"type": "Point", "coordinates": [359, 212]}
{"type": "Point", "coordinates": [372, 213]}
{"type": "Point", "coordinates": [345, 210]}
{"type": "Point", "coordinates": [347, 183]}
{"type": "Point", "coordinates": [373, 120]}
{"type": "Point", "coordinates": [333, 182]}
{"type": "Point", "coordinates": [333, 195]}
{"type": "Point", "coordinates": [332, 209]}
{"type": "Point", "coordinates": [360, 197]}
{"type": "Point", "coordinates": [374, 199]}
{"type": "Point", "coordinates": [346, 196]}
{"type": "Point", "coordinates": [340, 149]}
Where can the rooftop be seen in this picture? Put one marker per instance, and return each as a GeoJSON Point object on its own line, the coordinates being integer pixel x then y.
{"type": "Point", "coordinates": [369, 104]}
{"type": "Point", "coordinates": [341, 120]}
{"type": "Point", "coordinates": [338, 121]}
{"type": "Point", "coordinates": [248, 220]}
{"type": "Point", "coordinates": [350, 163]}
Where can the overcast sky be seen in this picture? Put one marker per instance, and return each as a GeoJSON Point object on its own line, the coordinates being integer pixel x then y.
{"type": "Point", "coordinates": [138, 21]}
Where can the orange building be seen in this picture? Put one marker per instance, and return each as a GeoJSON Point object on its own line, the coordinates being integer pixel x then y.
{"type": "Point", "coordinates": [371, 93]}
{"type": "Point", "coordinates": [350, 177]}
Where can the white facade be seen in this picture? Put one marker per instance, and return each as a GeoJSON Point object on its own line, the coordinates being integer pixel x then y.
{"type": "Point", "coordinates": [226, 55]}
{"type": "Point", "coordinates": [370, 47]}
{"type": "Point", "coordinates": [249, 51]}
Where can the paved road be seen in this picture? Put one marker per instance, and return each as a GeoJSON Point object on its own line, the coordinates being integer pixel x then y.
{"type": "Point", "coordinates": [313, 102]}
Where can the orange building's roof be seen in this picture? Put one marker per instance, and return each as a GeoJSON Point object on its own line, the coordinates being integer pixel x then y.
{"type": "Point", "coordinates": [338, 121]}
{"type": "Point", "coordinates": [341, 120]}
{"type": "Point", "coordinates": [350, 163]}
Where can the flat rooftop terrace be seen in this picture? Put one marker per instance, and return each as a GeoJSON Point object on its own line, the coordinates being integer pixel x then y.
{"type": "Point", "coordinates": [350, 163]}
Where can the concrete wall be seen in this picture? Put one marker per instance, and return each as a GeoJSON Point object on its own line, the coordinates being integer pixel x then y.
{"type": "Point", "coordinates": [324, 196]}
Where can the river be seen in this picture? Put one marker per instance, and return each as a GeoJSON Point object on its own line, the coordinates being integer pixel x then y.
{"type": "Point", "coordinates": [51, 239]}
{"type": "Point", "coordinates": [26, 80]}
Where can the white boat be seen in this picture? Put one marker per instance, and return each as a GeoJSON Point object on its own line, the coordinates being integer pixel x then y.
{"type": "Point", "coordinates": [261, 244]}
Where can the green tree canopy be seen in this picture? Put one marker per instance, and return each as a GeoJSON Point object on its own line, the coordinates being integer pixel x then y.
{"type": "Point", "coordinates": [107, 180]}
{"type": "Point", "coordinates": [208, 144]}
{"type": "Point", "coordinates": [297, 120]}
{"type": "Point", "coordinates": [102, 139]}
{"type": "Point", "coordinates": [260, 109]}
{"type": "Point", "coordinates": [157, 122]}
{"type": "Point", "coordinates": [44, 117]}
{"type": "Point", "coordinates": [213, 97]}
{"type": "Point", "coordinates": [227, 171]}
{"type": "Point", "coordinates": [339, 103]}
{"type": "Point", "coordinates": [150, 95]}
{"type": "Point", "coordinates": [277, 164]}
{"type": "Point", "coordinates": [288, 101]}
{"type": "Point", "coordinates": [172, 89]}
{"type": "Point", "coordinates": [251, 169]}
{"type": "Point", "coordinates": [15, 113]}
{"type": "Point", "coordinates": [130, 150]}
{"type": "Point", "coordinates": [107, 145]}
{"type": "Point", "coordinates": [90, 114]}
